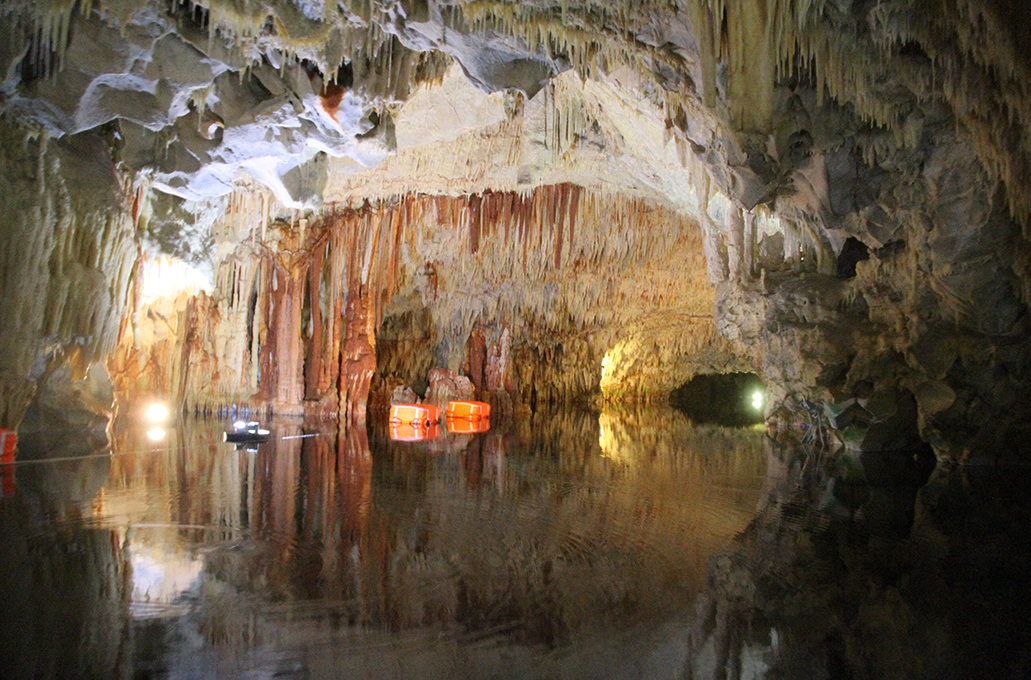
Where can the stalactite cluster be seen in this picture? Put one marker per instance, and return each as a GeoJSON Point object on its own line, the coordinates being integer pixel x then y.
{"type": "Point", "coordinates": [540, 276]}
{"type": "Point", "coordinates": [66, 257]}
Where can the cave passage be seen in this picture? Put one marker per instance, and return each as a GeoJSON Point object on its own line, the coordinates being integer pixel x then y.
{"type": "Point", "coordinates": [731, 399]}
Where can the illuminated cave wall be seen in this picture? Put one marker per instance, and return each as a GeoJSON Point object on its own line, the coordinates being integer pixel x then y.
{"type": "Point", "coordinates": [66, 258]}
{"type": "Point", "coordinates": [587, 287]}
{"type": "Point", "coordinates": [779, 131]}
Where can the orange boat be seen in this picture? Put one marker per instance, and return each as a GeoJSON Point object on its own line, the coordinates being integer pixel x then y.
{"type": "Point", "coordinates": [466, 426]}
{"type": "Point", "coordinates": [470, 410]}
{"type": "Point", "coordinates": [414, 432]}
{"type": "Point", "coordinates": [414, 413]}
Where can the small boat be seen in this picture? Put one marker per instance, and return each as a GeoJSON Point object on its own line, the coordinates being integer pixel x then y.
{"type": "Point", "coordinates": [414, 432]}
{"type": "Point", "coordinates": [243, 431]}
{"type": "Point", "coordinates": [470, 410]}
{"type": "Point", "coordinates": [467, 426]}
{"type": "Point", "coordinates": [414, 414]}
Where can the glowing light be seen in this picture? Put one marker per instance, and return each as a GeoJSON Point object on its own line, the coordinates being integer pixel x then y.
{"type": "Point", "coordinates": [156, 434]}
{"type": "Point", "coordinates": [157, 413]}
{"type": "Point", "coordinates": [166, 277]}
{"type": "Point", "coordinates": [757, 400]}
{"type": "Point", "coordinates": [239, 425]}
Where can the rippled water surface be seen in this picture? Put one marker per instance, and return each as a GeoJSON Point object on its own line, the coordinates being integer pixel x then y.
{"type": "Point", "coordinates": [570, 545]}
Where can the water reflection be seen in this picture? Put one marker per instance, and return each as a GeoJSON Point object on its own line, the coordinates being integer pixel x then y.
{"type": "Point", "coordinates": [630, 544]}
{"type": "Point", "coordinates": [526, 550]}
{"type": "Point", "coordinates": [865, 568]}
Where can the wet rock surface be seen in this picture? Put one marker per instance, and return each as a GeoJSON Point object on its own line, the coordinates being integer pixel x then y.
{"type": "Point", "coordinates": [865, 568]}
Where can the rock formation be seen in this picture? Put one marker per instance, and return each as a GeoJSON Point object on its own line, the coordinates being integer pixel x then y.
{"type": "Point", "coordinates": [563, 202]}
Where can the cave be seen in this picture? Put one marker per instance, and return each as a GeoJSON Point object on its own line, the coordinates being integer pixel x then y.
{"type": "Point", "coordinates": [610, 225]}
{"type": "Point", "coordinates": [733, 399]}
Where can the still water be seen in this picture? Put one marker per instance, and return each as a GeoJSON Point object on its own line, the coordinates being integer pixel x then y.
{"type": "Point", "coordinates": [630, 544]}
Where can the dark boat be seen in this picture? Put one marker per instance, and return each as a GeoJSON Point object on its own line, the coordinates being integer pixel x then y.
{"type": "Point", "coordinates": [243, 432]}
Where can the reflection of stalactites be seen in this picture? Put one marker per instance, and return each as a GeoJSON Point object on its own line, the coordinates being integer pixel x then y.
{"type": "Point", "coordinates": [282, 509]}
{"type": "Point", "coordinates": [320, 512]}
{"type": "Point", "coordinates": [494, 460]}
{"type": "Point", "coordinates": [359, 553]}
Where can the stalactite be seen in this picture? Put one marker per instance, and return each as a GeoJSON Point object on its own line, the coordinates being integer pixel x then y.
{"type": "Point", "coordinates": [549, 263]}
{"type": "Point", "coordinates": [315, 351]}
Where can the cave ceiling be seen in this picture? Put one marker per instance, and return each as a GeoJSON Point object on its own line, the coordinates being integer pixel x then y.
{"type": "Point", "coordinates": [829, 193]}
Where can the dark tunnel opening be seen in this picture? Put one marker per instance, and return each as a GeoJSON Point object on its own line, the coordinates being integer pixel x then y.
{"type": "Point", "coordinates": [732, 399]}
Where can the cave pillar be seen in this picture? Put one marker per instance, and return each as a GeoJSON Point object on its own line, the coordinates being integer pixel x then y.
{"type": "Point", "coordinates": [497, 373]}
{"type": "Point", "coordinates": [477, 358]}
{"type": "Point", "coordinates": [358, 355]}
{"type": "Point", "coordinates": [748, 254]}
{"type": "Point", "coordinates": [715, 258]}
{"type": "Point", "coordinates": [285, 335]}
{"type": "Point", "coordinates": [322, 362]}
{"type": "Point", "coordinates": [736, 244]}
{"type": "Point", "coordinates": [315, 355]}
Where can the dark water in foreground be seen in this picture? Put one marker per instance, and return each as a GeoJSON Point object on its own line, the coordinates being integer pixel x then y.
{"type": "Point", "coordinates": [630, 545]}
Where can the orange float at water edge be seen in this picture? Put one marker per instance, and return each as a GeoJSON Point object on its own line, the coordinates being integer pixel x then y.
{"type": "Point", "coordinates": [414, 413]}
{"type": "Point", "coordinates": [467, 426]}
{"type": "Point", "coordinates": [409, 432]}
{"type": "Point", "coordinates": [8, 443]}
{"type": "Point", "coordinates": [472, 410]}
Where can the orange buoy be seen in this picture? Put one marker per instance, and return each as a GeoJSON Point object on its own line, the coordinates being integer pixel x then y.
{"type": "Point", "coordinates": [467, 426]}
{"type": "Point", "coordinates": [414, 432]}
{"type": "Point", "coordinates": [470, 410]}
{"type": "Point", "coordinates": [414, 413]}
{"type": "Point", "coordinates": [8, 443]}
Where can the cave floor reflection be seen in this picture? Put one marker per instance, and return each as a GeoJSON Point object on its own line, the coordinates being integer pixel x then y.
{"type": "Point", "coordinates": [541, 547]}
{"type": "Point", "coordinates": [626, 544]}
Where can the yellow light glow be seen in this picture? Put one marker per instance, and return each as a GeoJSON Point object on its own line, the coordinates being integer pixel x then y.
{"type": "Point", "coordinates": [757, 400]}
{"type": "Point", "coordinates": [156, 434]}
{"type": "Point", "coordinates": [156, 413]}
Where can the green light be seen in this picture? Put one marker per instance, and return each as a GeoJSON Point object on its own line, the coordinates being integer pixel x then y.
{"type": "Point", "coordinates": [757, 400]}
